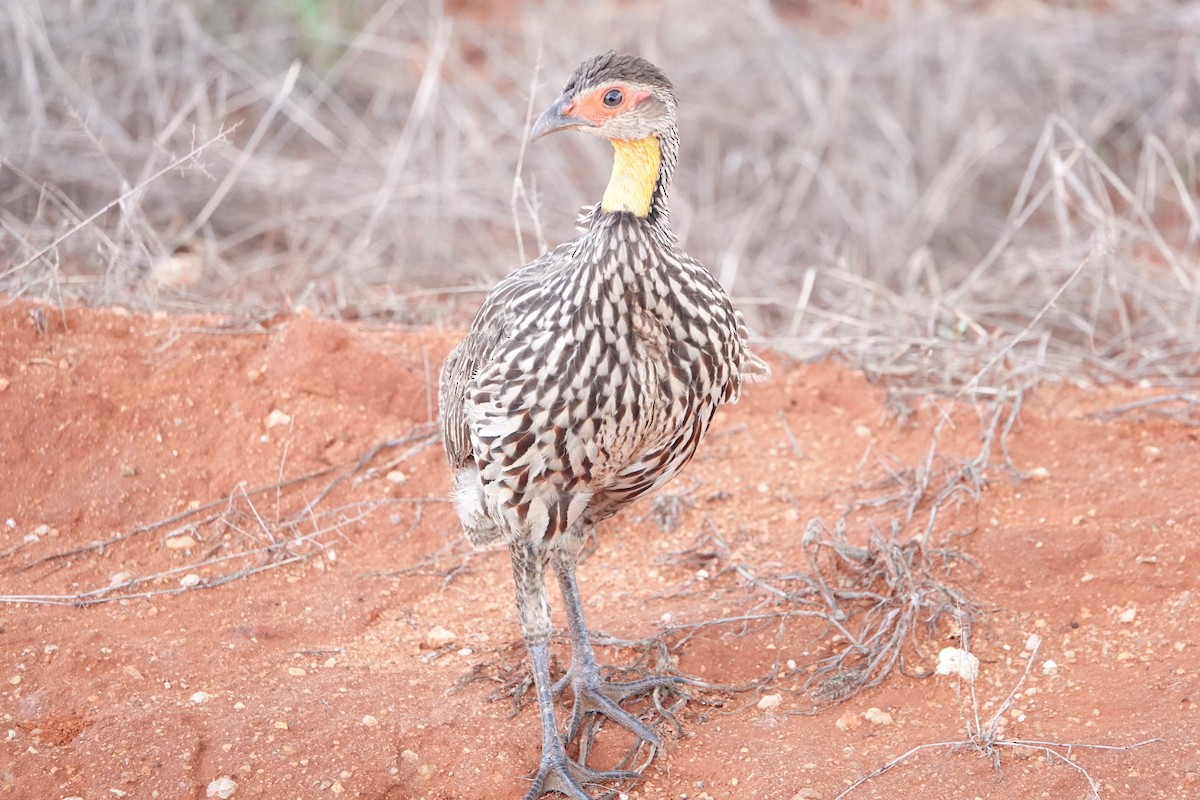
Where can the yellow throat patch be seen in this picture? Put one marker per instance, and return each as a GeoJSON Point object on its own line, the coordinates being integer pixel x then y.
{"type": "Point", "coordinates": [634, 176]}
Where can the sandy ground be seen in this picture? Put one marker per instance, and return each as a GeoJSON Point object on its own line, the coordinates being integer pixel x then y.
{"type": "Point", "coordinates": [272, 615]}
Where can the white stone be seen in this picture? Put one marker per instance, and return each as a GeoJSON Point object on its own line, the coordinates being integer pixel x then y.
{"type": "Point", "coordinates": [770, 702]}
{"type": "Point", "coordinates": [276, 417]}
{"type": "Point", "coordinates": [877, 716]}
{"type": "Point", "coordinates": [223, 788]}
{"type": "Point", "coordinates": [440, 637]}
{"type": "Point", "coordinates": [955, 661]}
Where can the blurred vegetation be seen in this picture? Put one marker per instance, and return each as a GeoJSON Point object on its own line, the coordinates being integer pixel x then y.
{"type": "Point", "coordinates": [917, 191]}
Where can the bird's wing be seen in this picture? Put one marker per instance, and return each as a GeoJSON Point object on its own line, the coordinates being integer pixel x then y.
{"type": "Point", "coordinates": [461, 366]}
{"type": "Point", "coordinates": [746, 365]}
{"type": "Point", "coordinates": [754, 368]}
{"type": "Point", "coordinates": [491, 328]}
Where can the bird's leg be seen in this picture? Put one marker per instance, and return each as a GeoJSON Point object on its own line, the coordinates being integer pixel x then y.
{"type": "Point", "coordinates": [593, 693]}
{"type": "Point", "coordinates": [557, 772]}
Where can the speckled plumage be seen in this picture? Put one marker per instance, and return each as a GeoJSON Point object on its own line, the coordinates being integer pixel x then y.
{"type": "Point", "coordinates": [587, 380]}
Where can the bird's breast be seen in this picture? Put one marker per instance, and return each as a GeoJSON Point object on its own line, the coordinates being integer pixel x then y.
{"type": "Point", "coordinates": [609, 372]}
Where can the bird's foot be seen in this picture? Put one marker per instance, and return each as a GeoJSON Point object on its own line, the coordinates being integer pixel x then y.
{"type": "Point", "coordinates": [558, 773]}
{"type": "Point", "coordinates": [593, 694]}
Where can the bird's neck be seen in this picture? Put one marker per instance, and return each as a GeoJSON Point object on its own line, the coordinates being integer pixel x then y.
{"type": "Point", "coordinates": [635, 176]}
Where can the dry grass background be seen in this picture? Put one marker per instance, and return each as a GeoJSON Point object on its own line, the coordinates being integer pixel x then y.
{"type": "Point", "coordinates": [953, 196]}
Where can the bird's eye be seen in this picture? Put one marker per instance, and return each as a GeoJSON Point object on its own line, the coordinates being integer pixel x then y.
{"type": "Point", "coordinates": [613, 98]}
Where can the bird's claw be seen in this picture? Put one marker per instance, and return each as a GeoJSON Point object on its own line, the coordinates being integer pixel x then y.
{"type": "Point", "coordinates": [560, 774]}
{"type": "Point", "coordinates": [595, 695]}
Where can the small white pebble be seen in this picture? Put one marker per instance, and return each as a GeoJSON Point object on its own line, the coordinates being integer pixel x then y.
{"type": "Point", "coordinates": [440, 637]}
{"type": "Point", "coordinates": [199, 697]}
{"type": "Point", "coordinates": [1128, 615]}
{"type": "Point", "coordinates": [770, 702]}
{"type": "Point", "coordinates": [370, 721]}
{"type": "Point", "coordinates": [1039, 473]}
{"type": "Point", "coordinates": [189, 580]}
{"type": "Point", "coordinates": [954, 661]}
{"type": "Point", "coordinates": [396, 476]}
{"type": "Point", "coordinates": [276, 417]}
{"type": "Point", "coordinates": [1049, 667]}
{"type": "Point", "coordinates": [223, 787]}
{"type": "Point", "coordinates": [877, 716]}
{"type": "Point", "coordinates": [1032, 643]}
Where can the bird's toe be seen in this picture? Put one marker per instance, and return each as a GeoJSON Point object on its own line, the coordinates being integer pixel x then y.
{"type": "Point", "coordinates": [595, 695]}
{"type": "Point", "coordinates": [560, 774]}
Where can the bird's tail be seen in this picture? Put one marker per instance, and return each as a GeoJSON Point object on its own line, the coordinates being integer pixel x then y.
{"type": "Point", "coordinates": [754, 369]}
{"type": "Point", "coordinates": [471, 505]}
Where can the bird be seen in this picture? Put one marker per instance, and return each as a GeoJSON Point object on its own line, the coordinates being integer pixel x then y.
{"type": "Point", "coordinates": [586, 381]}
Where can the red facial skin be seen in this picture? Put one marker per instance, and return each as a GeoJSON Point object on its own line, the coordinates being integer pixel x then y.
{"type": "Point", "coordinates": [591, 106]}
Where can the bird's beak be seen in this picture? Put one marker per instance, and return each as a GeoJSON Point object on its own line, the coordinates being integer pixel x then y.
{"type": "Point", "coordinates": [555, 119]}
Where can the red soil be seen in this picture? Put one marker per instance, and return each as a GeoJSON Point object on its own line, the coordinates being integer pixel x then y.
{"type": "Point", "coordinates": [323, 675]}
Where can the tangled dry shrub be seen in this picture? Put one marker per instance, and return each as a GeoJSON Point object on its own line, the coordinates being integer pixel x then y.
{"type": "Point", "coordinates": [880, 601]}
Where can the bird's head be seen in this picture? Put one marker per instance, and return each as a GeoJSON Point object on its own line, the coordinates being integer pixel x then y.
{"type": "Point", "coordinates": [615, 96]}
{"type": "Point", "coordinates": [630, 102]}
